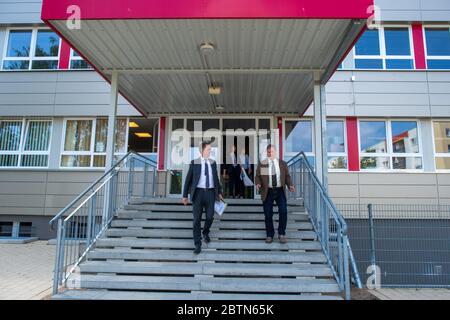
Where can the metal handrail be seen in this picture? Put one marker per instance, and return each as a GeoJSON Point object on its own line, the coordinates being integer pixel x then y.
{"type": "Point", "coordinates": [94, 209]}
{"type": "Point", "coordinates": [323, 212]}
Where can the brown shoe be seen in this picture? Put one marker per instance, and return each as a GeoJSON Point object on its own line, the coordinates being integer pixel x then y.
{"type": "Point", "coordinates": [283, 239]}
{"type": "Point", "coordinates": [269, 240]}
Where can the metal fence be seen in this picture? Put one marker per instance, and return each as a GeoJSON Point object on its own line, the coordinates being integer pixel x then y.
{"type": "Point", "coordinates": [409, 244]}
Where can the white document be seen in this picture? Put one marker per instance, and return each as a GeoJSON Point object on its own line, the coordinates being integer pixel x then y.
{"type": "Point", "coordinates": [219, 207]}
{"type": "Point", "coordinates": [246, 180]}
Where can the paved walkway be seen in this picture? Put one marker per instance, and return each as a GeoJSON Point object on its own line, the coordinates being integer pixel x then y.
{"type": "Point", "coordinates": [412, 294]}
{"type": "Point", "coordinates": [26, 270]}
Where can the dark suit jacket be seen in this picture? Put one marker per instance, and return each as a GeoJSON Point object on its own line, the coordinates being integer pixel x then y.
{"type": "Point", "coordinates": [193, 177]}
{"type": "Point", "coordinates": [262, 178]}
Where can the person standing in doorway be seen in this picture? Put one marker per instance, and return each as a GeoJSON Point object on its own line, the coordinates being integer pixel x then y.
{"type": "Point", "coordinates": [244, 161]}
{"type": "Point", "coordinates": [233, 171]}
{"type": "Point", "coordinates": [202, 183]}
{"type": "Point", "coordinates": [272, 178]}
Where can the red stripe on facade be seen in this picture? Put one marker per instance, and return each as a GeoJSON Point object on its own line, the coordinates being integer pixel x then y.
{"type": "Point", "coordinates": [419, 47]}
{"type": "Point", "coordinates": [162, 143]}
{"type": "Point", "coordinates": [64, 56]}
{"type": "Point", "coordinates": [280, 137]}
{"type": "Point", "coordinates": [206, 9]}
{"type": "Point", "coordinates": [352, 144]}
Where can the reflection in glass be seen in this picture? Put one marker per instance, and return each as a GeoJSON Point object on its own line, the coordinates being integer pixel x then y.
{"type": "Point", "coordinates": [47, 44]}
{"type": "Point", "coordinates": [397, 41]}
{"type": "Point", "coordinates": [16, 65]}
{"type": "Point", "coordinates": [101, 135]}
{"type": "Point", "coordinates": [443, 163]}
{"type": "Point", "coordinates": [411, 163]}
{"type": "Point", "coordinates": [404, 137]}
{"type": "Point", "coordinates": [438, 41]}
{"type": "Point", "coordinates": [298, 136]}
{"type": "Point", "coordinates": [75, 161]}
{"type": "Point", "coordinates": [373, 136]}
{"type": "Point", "coordinates": [10, 132]}
{"type": "Point", "coordinates": [335, 136]}
{"type": "Point", "coordinates": [369, 43]}
{"type": "Point", "coordinates": [375, 163]}
{"type": "Point", "coordinates": [78, 135]}
{"type": "Point", "coordinates": [19, 43]}
{"type": "Point", "coordinates": [337, 163]}
{"type": "Point", "coordinates": [44, 64]}
{"type": "Point", "coordinates": [442, 136]}
{"type": "Point", "coordinates": [38, 136]}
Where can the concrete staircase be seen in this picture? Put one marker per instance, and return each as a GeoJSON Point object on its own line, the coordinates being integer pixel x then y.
{"type": "Point", "coordinates": [147, 254]}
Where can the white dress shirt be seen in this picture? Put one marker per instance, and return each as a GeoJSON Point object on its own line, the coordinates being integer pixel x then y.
{"type": "Point", "coordinates": [277, 171]}
{"type": "Point", "coordinates": [202, 181]}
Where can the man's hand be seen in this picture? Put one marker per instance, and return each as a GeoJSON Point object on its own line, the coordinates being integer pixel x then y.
{"type": "Point", "coordinates": [221, 197]}
{"type": "Point", "coordinates": [291, 188]}
{"type": "Point", "coordinates": [185, 201]}
{"type": "Point", "coordinates": [258, 186]}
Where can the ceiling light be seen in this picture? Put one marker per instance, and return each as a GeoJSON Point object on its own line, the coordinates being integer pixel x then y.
{"type": "Point", "coordinates": [133, 124]}
{"type": "Point", "coordinates": [207, 48]}
{"type": "Point", "coordinates": [220, 108]}
{"type": "Point", "coordinates": [214, 90]}
{"type": "Point", "coordinates": [143, 134]}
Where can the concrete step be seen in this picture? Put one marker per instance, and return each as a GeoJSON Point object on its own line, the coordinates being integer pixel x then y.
{"type": "Point", "coordinates": [240, 202]}
{"type": "Point", "coordinates": [182, 208]}
{"type": "Point", "coordinates": [223, 244]}
{"type": "Point", "coordinates": [148, 215]}
{"type": "Point", "coordinates": [173, 224]}
{"type": "Point", "coordinates": [213, 255]}
{"type": "Point", "coordinates": [215, 234]}
{"type": "Point", "coordinates": [235, 285]}
{"type": "Point", "coordinates": [194, 268]}
{"type": "Point", "coordinates": [138, 295]}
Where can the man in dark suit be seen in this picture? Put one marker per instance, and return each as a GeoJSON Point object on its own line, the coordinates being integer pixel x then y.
{"type": "Point", "coordinates": [202, 183]}
{"type": "Point", "coordinates": [272, 178]}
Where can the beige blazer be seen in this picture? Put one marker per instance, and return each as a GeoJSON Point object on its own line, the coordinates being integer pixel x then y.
{"type": "Point", "coordinates": [263, 178]}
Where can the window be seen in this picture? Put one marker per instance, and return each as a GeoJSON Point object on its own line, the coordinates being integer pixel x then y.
{"type": "Point", "coordinates": [31, 49]}
{"type": "Point", "coordinates": [298, 137]}
{"type": "Point", "coordinates": [6, 229]}
{"type": "Point", "coordinates": [25, 143]}
{"type": "Point", "coordinates": [442, 144]}
{"type": "Point", "coordinates": [438, 47]}
{"type": "Point", "coordinates": [77, 62]}
{"type": "Point", "coordinates": [84, 142]}
{"type": "Point", "coordinates": [336, 146]}
{"type": "Point", "coordinates": [388, 145]}
{"type": "Point", "coordinates": [386, 48]}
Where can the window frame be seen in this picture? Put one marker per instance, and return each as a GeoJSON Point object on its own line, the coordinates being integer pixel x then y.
{"type": "Point", "coordinates": [32, 57]}
{"type": "Point", "coordinates": [77, 58]}
{"type": "Point", "coordinates": [383, 55]}
{"type": "Point", "coordinates": [91, 153]}
{"type": "Point", "coordinates": [21, 151]}
{"type": "Point", "coordinates": [338, 154]}
{"type": "Point", "coordinates": [425, 44]}
{"type": "Point", "coordinates": [438, 154]}
{"type": "Point", "coordinates": [390, 154]}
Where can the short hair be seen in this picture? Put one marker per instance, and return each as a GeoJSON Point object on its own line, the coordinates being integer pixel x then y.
{"type": "Point", "coordinates": [203, 145]}
{"type": "Point", "coordinates": [270, 146]}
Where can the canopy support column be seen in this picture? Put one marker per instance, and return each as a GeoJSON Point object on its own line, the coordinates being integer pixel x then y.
{"type": "Point", "coordinates": [320, 127]}
{"type": "Point", "coordinates": [111, 140]}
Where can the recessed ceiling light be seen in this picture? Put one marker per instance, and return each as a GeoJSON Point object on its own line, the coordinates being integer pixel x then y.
{"type": "Point", "coordinates": [133, 124]}
{"type": "Point", "coordinates": [220, 108]}
{"type": "Point", "coordinates": [143, 134]}
{"type": "Point", "coordinates": [214, 90]}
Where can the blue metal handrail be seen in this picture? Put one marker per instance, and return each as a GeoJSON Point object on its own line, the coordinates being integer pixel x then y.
{"type": "Point", "coordinates": [84, 220]}
{"type": "Point", "coordinates": [328, 222]}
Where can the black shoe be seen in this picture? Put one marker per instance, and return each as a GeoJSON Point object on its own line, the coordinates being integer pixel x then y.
{"type": "Point", "coordinates": [207, 238]}
{"type": "Point", "coordinates": [198, 249]}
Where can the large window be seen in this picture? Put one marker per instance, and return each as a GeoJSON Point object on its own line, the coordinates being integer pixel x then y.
{"type": "Point", "coordinates": [31, 49]}
{"type": "Point", "coordinates": [442, 144]}
{"type": "Point", "coordinates": [298, 137]}
{"type": "Point", "coordinates": [84, 142]}
{"type": "Point", "coordinates": [25, 143]}
{"type": "Point", "coordinates": [336, 146]}
{"type": "Point", "coordinates": [385, 48]}
{"type": "Point", "coordinates": [438, 47]}
{"type": "Point", "coordinates": [386, 145]}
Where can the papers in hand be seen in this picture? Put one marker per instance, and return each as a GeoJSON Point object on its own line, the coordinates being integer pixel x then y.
{"type": "Point", "coordinates": [219, 207]}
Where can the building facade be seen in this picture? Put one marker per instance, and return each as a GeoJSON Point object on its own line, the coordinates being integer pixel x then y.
{"type": "Point", "coordinates": [387, 106]}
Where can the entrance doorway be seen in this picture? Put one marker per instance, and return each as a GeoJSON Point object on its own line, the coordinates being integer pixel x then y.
{"type": "Point", "coordinates": [249, 135]}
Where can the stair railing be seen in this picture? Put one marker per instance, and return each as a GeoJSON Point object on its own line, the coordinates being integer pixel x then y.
{"type": "Point", "coordinates": [84, 220]}
{"type": "Point", "coordinates": [327, 221]}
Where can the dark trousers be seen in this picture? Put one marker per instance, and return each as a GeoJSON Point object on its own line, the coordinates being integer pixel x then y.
{"type": "Point", "coordinates": [234, 187]}
{"type": "Point", "coordinates": [203, 199]}
{"type": "Point", "coordinates": [277, 195]}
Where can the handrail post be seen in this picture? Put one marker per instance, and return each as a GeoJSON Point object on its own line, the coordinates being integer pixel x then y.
{"type": "Point", "coordinates": [144, 181]}
{"type": "Point", "coordinates": [92, 204]}
{"type": "Point", "coordinates": [346, 270]}
{"type": "Point", "coordinates": [130, 179]}
{"type": "Point", "coordinates": [58, 258]}
{"type": "Point", "coordinates": [372, 239]}
{"type": "Point", "coordinates": [154, 184]}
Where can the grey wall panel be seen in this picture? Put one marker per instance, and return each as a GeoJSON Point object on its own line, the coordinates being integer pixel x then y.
{"type": "Point", "coordinates": [20, 11]}
{"type": "Point", "coordinates": [392, 111]}
{"type": "Point", "coordinates": [2, 41]}
{"type": "Point", "coordinates": [414, 10]}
